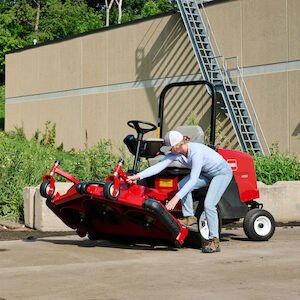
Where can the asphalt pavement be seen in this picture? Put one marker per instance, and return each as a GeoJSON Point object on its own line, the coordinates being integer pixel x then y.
{"type": "Point", "coordinates": [68, 267]}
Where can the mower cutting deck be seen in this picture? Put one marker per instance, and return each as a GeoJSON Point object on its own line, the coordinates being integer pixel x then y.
{"type": "Point", "coordinates": [113, 208]}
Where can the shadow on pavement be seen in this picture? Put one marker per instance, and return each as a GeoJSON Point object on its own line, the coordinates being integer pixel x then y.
{"type": "Point", "coordinates": [105, 243]}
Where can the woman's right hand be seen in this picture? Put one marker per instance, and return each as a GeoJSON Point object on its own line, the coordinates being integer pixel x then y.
{"type": "Point", "coordinates": [132, 178]}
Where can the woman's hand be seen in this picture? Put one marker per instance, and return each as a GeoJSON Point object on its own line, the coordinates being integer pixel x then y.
{"type": "Point", "coordinates": [132, 178]}
{"type": "Point", "coordinates": [172, 203]}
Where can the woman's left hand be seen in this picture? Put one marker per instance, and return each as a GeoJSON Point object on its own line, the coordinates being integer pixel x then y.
{"type": "Point", "coordinates": [172, 203]}
{"type": "Point", "coordinates": [132, 178]}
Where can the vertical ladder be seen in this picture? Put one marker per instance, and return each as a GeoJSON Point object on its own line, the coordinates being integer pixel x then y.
{"type": "Point", "coordinates": [210, 69]}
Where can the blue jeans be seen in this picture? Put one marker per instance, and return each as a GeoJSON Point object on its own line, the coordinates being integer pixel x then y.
{"type": "Point", "coordinates": [218, 181]}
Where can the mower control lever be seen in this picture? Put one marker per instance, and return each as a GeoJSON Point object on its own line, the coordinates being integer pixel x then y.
{"type": "Point", "coordinates": [136, 124]}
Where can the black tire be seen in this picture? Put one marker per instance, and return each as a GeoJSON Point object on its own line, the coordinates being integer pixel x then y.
{"type": "Point", "coordinates": [83, 187]}
{"type": "Point", "coordinates": [81, 233]}
{"type": "Point", "coordinates": [108, 190]}
{"type": "Point", "coordinates": [78, 187]}
{"type": "Point", "coordinates": [259, 225]}
{"type": "Point", "coordinates": [94, 236]}
{"type": "Point", "coordinates": [44, 189]}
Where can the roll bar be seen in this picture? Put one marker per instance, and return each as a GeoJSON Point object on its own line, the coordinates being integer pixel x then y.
{"type": "Point", "coordinates": [212, 137]}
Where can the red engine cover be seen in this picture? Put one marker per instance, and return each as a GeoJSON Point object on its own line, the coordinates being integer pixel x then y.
{"type": "Point", "coordinates": [242, 165]}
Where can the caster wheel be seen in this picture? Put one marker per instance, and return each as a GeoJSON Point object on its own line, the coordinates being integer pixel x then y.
{"type": "Point", "coordinates": [46, 191]}
{"type": "Point", "coordinates": [108, 190]}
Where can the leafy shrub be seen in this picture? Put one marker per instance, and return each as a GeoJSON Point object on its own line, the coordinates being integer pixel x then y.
{"type": "Point", "coordinates": [276, 167]}
{"type": "Point", "coordinates": [22, 163]}
{"type": "Point", "coordinates": [49, 136]}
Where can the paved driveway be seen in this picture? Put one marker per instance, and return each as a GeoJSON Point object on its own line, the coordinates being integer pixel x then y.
{"type": "Point", "coordinates": [68, 267]}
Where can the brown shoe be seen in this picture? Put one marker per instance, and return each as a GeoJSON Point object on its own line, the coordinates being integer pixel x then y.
{"type": "Point", "coordinates": [188, 221]}
{"type": "Point", "coordinates": [212, 246]}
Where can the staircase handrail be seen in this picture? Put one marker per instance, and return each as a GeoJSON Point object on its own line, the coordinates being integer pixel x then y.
{"type": "Point", "coordinates": [240, 78]}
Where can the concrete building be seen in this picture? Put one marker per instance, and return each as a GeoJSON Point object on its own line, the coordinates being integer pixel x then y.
{"type": "Point", "coordinates": [90, 85]}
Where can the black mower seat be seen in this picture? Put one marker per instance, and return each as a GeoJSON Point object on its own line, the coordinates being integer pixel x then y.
{"type": "Point", "coordinates": [149, 147]}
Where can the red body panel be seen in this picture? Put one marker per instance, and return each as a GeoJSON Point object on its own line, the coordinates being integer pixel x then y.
{"type": "Point", "coordinates": [242, 165]}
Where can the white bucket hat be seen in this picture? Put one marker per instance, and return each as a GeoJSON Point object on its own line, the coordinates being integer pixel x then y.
{"type": "Point", "coordinates": [171, 139]}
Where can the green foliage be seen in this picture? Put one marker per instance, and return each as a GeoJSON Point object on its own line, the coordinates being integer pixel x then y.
{"type": "Point", "coordinates": [63, 18]}
{"type": "Point", "coordinates": [22, 163]}
{"type": "Point", "coordinates": [49, 136]}
{"type": "Point", "coordinates": [10, 36]}
{"type": "Point", "coordinates": [276, 167]}
{"type": "Point", "coordinates": [136, 9]}
{"type": "Point", "coordinates": [151, 7]}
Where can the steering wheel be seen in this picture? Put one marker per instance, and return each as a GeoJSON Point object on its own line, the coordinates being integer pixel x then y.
{"type": "Point", "coordinates": [136, 124]}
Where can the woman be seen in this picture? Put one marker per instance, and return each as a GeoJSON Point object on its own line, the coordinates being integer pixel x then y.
{"type": "Point", "coordinates": [207, 168]}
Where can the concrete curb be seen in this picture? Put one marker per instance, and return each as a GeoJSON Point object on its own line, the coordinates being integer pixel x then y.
{"type": "Point", "coordinates": [282, 200]}
{"type": "Point", "coordinates": [36, 213]}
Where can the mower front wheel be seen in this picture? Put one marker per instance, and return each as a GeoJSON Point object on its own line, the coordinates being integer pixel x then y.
{"type": "Point", "coordinates": [46, 191]}
{"type": "Point", "coordinates": [108, 191]}
{"type": "Point", "coordinates": [259, 225]}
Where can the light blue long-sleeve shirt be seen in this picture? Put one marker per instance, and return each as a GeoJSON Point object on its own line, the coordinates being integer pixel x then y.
{"type": "Point", "coordinates": [200, 158]}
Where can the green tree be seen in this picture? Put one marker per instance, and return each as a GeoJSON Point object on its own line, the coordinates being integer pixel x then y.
{"type": "Point", "coordinates": [10, 34]}
{"type": "Point", "coordinates": [151, 7]}
{"type": "Point", "coordinates": [136, 9]}
{"type": "Point", "coordinates": [60, 19]}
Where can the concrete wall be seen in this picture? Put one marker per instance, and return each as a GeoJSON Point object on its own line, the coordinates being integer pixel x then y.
{"type": "Point", "coordinates": [91, 85]}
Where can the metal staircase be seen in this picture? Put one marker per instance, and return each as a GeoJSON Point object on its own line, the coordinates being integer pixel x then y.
{"type": "Point", "coordinates": [213, 68]}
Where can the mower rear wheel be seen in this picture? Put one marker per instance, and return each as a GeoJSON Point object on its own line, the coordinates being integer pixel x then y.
{"type": "Point", "coordinates": [108, 190]}
{"type": "Point", "coordinates": [259, 225]}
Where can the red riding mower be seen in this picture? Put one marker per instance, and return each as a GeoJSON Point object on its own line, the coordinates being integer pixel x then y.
{"type": "Point", "coordinates": [115, 209]}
